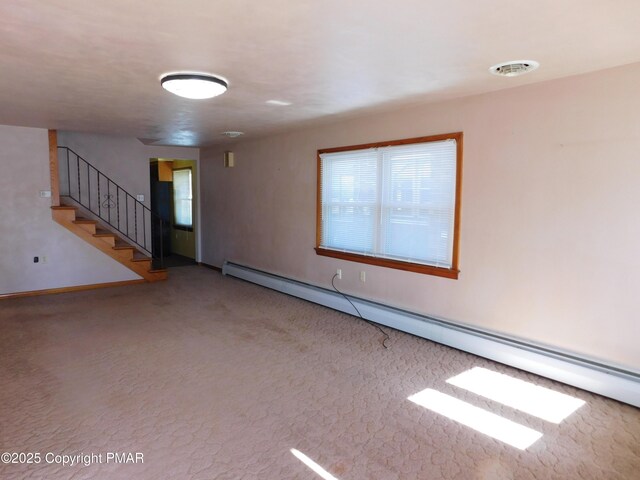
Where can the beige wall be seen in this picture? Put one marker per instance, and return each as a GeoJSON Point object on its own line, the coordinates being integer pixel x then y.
{"type": "Point", "coordinates": [27, 230]}
{"type": "Point", "coordinates": [550, 224]}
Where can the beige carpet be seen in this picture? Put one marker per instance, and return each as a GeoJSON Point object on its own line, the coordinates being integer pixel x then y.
{"type": "Point", "coordinates": [213, 378]}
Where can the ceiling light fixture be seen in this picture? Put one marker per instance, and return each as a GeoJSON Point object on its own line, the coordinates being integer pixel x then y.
{"type": "Point", "coordinates": [194, 85]}
{"type": "Point", "coordinates": [514, 68]}
{"type": "Point", "coordinates": [232, 134]}
{"type": "Point", "coordinates": [280, 103]}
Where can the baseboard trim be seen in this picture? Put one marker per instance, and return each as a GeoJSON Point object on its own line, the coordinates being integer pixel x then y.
{"type": "Point", "coordinates": [605, 379]}
{"type": "Point", "coordinates": [212, 267]}
{"type": "Point", "coordinates": [77, 288]}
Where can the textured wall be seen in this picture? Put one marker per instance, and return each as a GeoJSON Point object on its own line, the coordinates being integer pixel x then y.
{"type": "Point", "coordinates": [27, 229]}
{"type": "Point", "coordinates": [549, 232]}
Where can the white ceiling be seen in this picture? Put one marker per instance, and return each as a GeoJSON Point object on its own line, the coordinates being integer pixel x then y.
{"type": "Point", "coordinates": [94, 65]}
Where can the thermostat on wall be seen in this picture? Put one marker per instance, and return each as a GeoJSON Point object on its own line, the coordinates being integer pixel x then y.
{"type": "Point", "coordinates": [228, 159]}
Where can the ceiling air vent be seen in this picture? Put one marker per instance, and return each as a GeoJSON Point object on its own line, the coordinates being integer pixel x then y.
{"type": "Point", "coordinates": [232, 134]}
{"type": "Point", "coordinates": [514, 68]}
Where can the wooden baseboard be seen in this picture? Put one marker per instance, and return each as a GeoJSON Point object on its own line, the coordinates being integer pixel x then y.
{"type": "Point", "coordinates": [52, 291]}
{"type": "Point", "coordinates": [218, 269]}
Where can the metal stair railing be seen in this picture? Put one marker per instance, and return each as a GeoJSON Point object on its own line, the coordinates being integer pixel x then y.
{"type": "Point", "coordinates": [104, 198]}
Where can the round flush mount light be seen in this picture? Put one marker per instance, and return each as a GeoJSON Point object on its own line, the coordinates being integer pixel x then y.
{"type": "Point", "coordinates": [514, 68]}
{"type": "Point", "coordinates": [194, 85]}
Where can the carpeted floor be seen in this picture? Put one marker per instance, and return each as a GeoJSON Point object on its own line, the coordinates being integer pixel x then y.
{"type": "Point", "coordinates": [175, 260]}
{"type": "Point", "coordinates": [172, 261]}
{"type": "Point", "coordinates": [210, 377]}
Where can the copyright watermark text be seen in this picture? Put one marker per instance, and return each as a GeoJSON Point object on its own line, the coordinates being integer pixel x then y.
{"type": "Point", "coordinates": [71, 460]}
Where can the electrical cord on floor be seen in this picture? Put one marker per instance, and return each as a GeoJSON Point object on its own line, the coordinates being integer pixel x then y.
{"type": "Point", "coordinates": [386, 335]}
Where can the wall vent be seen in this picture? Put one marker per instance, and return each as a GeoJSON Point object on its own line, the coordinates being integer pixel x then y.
{"type": "Point", "coordinates": [514, 68]}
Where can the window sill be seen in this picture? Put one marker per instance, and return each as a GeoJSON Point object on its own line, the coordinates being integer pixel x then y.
{"type": "Point", "coordinates": [396, 264]}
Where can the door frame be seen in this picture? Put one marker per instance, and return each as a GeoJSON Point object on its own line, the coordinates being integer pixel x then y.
{"type": "Point", "coordinates": [196, 204]}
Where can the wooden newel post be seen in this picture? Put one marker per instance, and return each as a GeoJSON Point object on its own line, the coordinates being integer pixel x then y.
{"type": "Point", "coordinates": [53, 168]}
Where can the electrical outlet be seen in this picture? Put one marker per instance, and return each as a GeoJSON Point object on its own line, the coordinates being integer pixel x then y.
{"type": "Point", "coordinates": [339, 274]}
{"type": "Point", "coordinates": [363, 276]}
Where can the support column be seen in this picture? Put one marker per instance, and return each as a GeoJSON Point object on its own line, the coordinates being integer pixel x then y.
{"type": "Point", "coordinates": [53, 168]}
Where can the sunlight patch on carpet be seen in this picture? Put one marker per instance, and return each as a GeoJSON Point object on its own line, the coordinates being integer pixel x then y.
{"type": "Point", "coordinates": [312, 465]}
{"type": "Point", "coordinates": [519, 394]}
{"type": "Point", "coordinates": [476, 418]}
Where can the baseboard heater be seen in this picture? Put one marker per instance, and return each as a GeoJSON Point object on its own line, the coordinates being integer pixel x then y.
{"type": "Point", "coordinates": [607, 380]}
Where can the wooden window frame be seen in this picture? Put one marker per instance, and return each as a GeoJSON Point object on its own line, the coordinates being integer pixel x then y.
{"type": "Point", "coordinates": [452, 272]}
{"type": "Point", "coordinates": [177, 226]}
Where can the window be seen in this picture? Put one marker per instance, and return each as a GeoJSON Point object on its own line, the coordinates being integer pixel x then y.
{"type": "Point", "coordinates": [394, 204]}
{"type": "Point", "coordinates": [182, 199]}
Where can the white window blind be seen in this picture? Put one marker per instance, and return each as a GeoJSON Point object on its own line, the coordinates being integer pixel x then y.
{"type": "Point", "coordinates": [395, 202]}
{"type": "Point", "coordinates": [182, 197]}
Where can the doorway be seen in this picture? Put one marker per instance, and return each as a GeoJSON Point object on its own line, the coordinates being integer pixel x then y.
{"type": "Point", "coordinates": [174, 200]}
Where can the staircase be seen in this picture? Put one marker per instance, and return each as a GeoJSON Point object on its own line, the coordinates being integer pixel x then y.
{"type": "Point", "coordinates": [91, 231]}
{"type": "Point", "coordinates": [95, 208]}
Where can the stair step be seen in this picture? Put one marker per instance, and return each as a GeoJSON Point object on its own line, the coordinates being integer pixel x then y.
{"type": "Point", "coordinates": [104, 233]}
{"type": "Point", "coordinates": [98, 235]}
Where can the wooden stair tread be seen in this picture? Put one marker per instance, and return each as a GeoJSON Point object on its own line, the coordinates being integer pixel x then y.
{"type": "Point", "coordinates": [63, 207]}
{"type": "Point", "coordinates": [104, 233]}
{"type": "Point", "coordinates": [142, 258]}
{"type": "Point", "coordinates": [85, 221]}
{"type": "Point", "coordinates": [120, 245]}
{"type": "Point", "coordinates": [157, 270]}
